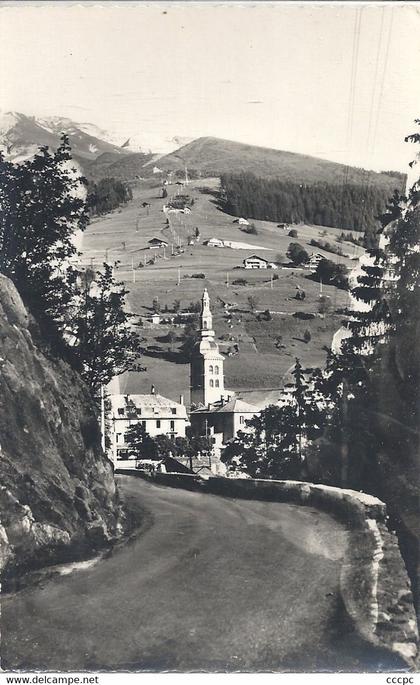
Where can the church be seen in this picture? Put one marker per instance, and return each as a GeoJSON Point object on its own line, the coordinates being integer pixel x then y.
{"type": "Point", "coordinates": [215, 412]}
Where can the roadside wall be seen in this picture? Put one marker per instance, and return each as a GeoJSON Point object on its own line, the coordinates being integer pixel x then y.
{"type": "Point", "coordinates": [374, 583]}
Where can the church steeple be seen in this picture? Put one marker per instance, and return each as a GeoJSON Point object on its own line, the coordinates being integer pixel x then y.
{"type": "Point", "coordinates": [206, 319]}
{"type": "Point", "coordinates": [207, 378]}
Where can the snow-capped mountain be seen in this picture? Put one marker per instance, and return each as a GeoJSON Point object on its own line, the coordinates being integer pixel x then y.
{"type": "Point", "coordinates": [21, 136]}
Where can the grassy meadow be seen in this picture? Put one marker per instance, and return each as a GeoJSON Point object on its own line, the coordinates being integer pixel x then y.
{"type": "Point", "coordinates": [267, 349]}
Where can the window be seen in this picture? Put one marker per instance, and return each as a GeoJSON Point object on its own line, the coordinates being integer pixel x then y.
{"type": "Point", "coordinates": [117, 437]}
{"type": "Point", "coordinates": [211, 382]}
{"type": "Point", "coordinates": [120, 411]}
{"type": "Point", "coordinates": [216, 383]}
{"type": "Point", "coordinates": [241, 419]}
{"type": "Point", "coordinates": [143, 423]}
{"type": "Point", "coordinates": [172, 425]}
{"type": "Point", "coordinates": [204, 324]}
{"type": "Point", "coordinates": [216, 370]}
{"type": "Point", "coordinates": [158, 423]}
{"type": "Point", "coordinates": [211, 368]}
{"type": "Point", "coordinates": [173, 410]}
{"type": "Point", "coordinates": [138, 412]}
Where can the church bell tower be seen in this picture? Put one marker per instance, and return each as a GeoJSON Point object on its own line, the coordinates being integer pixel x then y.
{"type": "Point", "coordinates": [207, 378]}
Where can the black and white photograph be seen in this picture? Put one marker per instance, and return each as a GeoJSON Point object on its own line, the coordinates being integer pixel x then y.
{"type": "Point", "coordinates": [209, 339]}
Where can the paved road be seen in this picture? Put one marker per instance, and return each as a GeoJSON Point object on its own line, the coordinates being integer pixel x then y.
{"type": "Point", "coordinates": [209, 584]}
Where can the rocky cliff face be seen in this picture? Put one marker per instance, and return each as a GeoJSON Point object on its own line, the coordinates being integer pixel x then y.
{"type": "Point", "coordinates": [57, 492]}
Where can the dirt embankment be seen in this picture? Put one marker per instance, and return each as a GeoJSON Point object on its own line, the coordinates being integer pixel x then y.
{"type": "Point", "coordinates": [58, 498]}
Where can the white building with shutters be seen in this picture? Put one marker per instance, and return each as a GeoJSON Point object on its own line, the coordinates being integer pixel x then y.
{"type": "Point", "coordinates": [158, 415]}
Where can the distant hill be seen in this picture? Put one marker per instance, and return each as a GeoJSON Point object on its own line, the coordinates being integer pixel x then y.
{"type": "Point", "coordinates": [21, 136]}
{"type": "Point", "coordinates": [214, 156]}
{"type": "Point", "coordinates": [123, 168]}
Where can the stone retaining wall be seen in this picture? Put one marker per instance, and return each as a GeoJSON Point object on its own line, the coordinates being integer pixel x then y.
{"type": "Point", "coordinates": [374, 583]}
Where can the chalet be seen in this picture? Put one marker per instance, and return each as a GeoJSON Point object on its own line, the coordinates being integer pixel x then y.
{"type": "Point", "coordinates": [156, 243]}
{"type": "Point", "coordinates": [241, 221]}
{"type": "Point", "coordinates": [255, 262]}
{"type": "Point", "coordinates": [214, 242]}
{"type": "Point", "coordinates": [158, 415]}
{"type": "Point", "coordinates": [314, 259]}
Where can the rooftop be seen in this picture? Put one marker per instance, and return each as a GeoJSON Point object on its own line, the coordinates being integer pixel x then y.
{"type": "Point", "coordinates": [149, 404]}
{"type": "Point", "coordinates": [234, 406]}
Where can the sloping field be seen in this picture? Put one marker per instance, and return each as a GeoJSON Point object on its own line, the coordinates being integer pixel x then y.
{"type": "Point", "coordinates": [263, 359]}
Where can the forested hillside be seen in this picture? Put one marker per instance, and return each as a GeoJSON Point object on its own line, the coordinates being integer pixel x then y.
{"type": "Point", "coordinates": [107, 194]}
{"type": "Point", "coordinates": [350, 206]}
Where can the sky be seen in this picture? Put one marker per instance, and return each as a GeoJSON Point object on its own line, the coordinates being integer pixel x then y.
{"type": "Point", "coordinates": [338, 81]}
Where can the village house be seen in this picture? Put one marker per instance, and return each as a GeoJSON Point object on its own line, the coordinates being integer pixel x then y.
{"type": "Point", "coordinates": [214, 242]}
{"type": "Point", "coordinates": [255, 262]}
{"type": "Point", "coordinates": [241, 221]}
{"type": "Point", "coordinates": [223, 419]}
{"type": "Point", "coordinates": [156, 243]}
{"type": "Point", "coordinates": [159, 416]}
{"type": "Point", "coordinates": [314, 259]}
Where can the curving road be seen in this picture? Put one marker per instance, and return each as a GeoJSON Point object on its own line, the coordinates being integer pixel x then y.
{"type": "Point", "coordinates": [209, 584]}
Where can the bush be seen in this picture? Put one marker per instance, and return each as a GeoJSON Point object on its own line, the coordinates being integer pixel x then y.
{"type": "Point", "coordinates": [325, 245]}
{"type": "Point", "coordinates": [305, 316]}
{"type": "Point", "coordinates": [293, 233]}
{"type": "Point", "coordinates": [300, 295]}
{"type": "Point", "coordinates": [240, 281]}
{"type": "Point", "coordinates": [297, 254]}
{"type": "Point", "coordinates": [198, 275]}
{"type": "Point", "coordinates": [251, 229]}
{"type": "Point", "coordinates": [324, 305]}
{"type": "Point", "coordinates": [332, 274]}
{"type": "Point", "coordinates": [194, 307]}
{"type": "Point", "coordinates": [307, 336]}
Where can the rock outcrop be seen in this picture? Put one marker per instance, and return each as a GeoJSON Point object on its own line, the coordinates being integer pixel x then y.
{"type": "Point", "coordinates": [58, 498]}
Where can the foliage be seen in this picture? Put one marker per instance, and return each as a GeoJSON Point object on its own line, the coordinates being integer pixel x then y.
{"type": "Point", "coordinates": [162, 446]}
{"type": "Point", "coordinates": [293, 233]}
{"type": "Point", "coordinates": [156, 305]}
{"type": "Point", "coordinates": [107, 194]}
{"type": "Point", "coordinates": [349, 238]}
{"type": "Point", "coordinates": [252, 302]}
{"type": "Point", "coordinates": [331, 273]}
{"type": "Point", "coordinates": [239, 281]}
{"type": "Point", "coordinates": [273, 446]}
{"type": "Point", "coordinates": [251, 229]}
{"type": "Point", "coordinates": [104, 343]}
{"type": "Point", "coordinates": [324, 304]}
{"type": "Point", "coordinates": [42, 206]}
{"type": "Point", "coordinates": [328, 247]}
{"type": "Point", "coordinates": [297, 254]}
{"type": "Point", "coordinates": [189, 337]}
{"type": "Point", "coordinates": [195, 307]}
{"type": "Point", "coordinates": [350, 206]}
